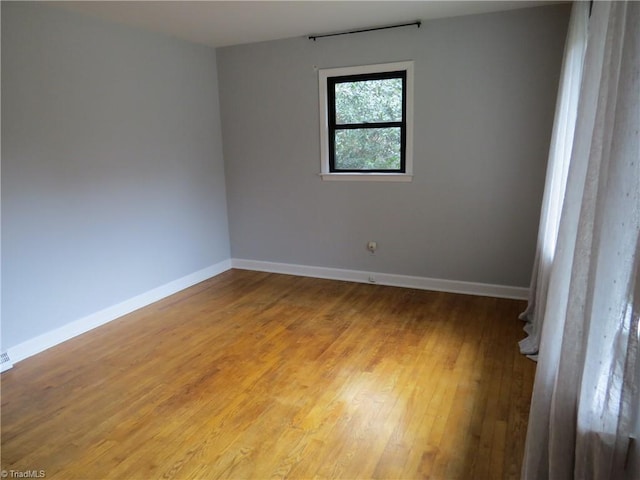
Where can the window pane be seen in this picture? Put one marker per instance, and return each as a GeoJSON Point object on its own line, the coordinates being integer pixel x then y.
{"type": "Point", "coordinates": [369, 101]}
{"type": "Point", "coordinates": [368, 149]}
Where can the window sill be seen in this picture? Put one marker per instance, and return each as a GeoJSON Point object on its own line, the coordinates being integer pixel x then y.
{"type": "Point", "coordinates": [367, 177]}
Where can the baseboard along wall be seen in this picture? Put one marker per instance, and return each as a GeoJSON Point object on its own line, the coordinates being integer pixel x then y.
{"type": "Point", "coordinates": [82, 325]}
{"type": "Point", "coordinates": [389, 279]}
{"type": "Point", "coordinates": [50, 339]}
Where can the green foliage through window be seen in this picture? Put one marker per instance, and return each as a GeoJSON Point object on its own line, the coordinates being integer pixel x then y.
{"type": "Point", "coordinates": [368, 149]}
{"type": "Point", "coordinates": [367, 122]}
{"type": "Point", "coordinates": [369, 101]}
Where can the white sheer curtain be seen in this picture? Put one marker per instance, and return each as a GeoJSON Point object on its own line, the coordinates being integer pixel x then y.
{"type": "Point", "coordinates": [557, 169]}
{"type": "Point", "coordinates": [585, 402]}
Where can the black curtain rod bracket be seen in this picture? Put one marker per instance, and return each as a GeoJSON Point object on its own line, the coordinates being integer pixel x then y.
{"type": "Point", "coordinates": [417, 23]}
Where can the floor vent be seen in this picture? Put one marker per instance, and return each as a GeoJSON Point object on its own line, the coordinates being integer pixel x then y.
{"type": "Point", "coordinates": [5, 362]}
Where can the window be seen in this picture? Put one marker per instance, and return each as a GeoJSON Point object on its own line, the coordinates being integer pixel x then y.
{"type": "Point", "coordinates": [367, 122]}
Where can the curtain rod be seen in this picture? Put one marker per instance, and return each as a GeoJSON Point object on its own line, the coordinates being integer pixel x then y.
{"type": "Point", "coordinates": [371, 29]}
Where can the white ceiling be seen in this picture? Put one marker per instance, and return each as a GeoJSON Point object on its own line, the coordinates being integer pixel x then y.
{"type": "Point", "coordinates": [218, 23]}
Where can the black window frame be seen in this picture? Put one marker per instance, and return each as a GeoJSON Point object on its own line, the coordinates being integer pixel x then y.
{"type": "Point", "coordinates": [333, 126]}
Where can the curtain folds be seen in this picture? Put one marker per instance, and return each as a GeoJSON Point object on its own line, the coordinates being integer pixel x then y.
{"type": "Point", "coordinates": [556, 177]}
{"type": "Point", "coordinates": [585, 401]}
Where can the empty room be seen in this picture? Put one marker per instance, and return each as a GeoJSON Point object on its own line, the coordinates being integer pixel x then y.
{"type": "Point", "coordinates": [318, 239]}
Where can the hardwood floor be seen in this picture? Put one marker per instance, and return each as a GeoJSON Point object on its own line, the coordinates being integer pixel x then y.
{"type": "Point", "coordinates": [255, 375]}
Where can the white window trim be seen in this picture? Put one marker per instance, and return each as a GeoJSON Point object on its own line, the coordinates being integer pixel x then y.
{"type": "Point", "coordinates": [325, 73]}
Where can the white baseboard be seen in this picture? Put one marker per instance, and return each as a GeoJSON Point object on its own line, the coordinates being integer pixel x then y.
{"type": "Point", "coordinates": [421, 283]}
{"type": "Point", "coordinates": [47, 340]}
{"type": "Point", "coordinates": [82, 325]}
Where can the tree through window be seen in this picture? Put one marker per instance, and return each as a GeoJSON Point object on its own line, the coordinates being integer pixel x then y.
{"type": "Point", "coordinates": [367, 119]}
{"type": "Point", "coordinates": [366, 122]}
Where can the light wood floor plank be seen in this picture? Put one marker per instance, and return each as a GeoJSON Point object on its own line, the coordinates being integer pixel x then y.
{"type": "Point", "coordinates": [256, 375]}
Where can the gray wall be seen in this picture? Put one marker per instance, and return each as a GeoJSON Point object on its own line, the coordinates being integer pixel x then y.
{"type": "Point", "coordinates": [112, 173]}
{"type": "Point", "coordinates": [485, 90]}
{"type": "Point", "coordinates": [113, 181]}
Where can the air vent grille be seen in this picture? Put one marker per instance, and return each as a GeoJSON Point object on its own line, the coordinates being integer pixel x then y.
{"type": "Point", "coordinates": [5, 362]}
